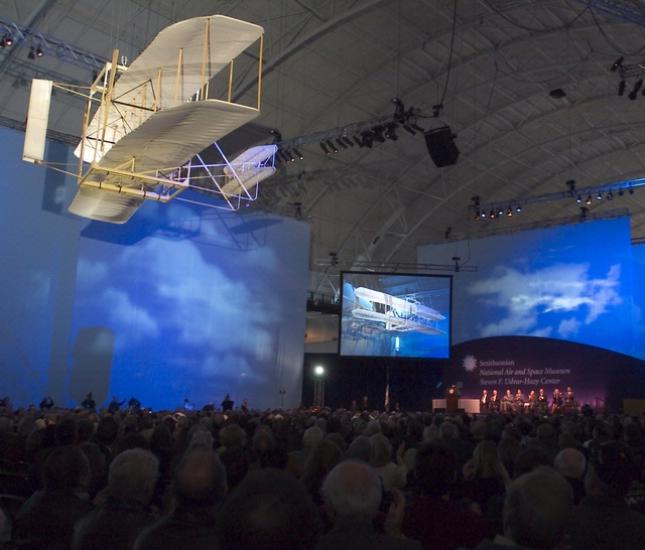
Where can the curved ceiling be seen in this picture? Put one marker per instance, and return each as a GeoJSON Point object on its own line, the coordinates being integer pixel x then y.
{"type": "Point", "coordinates": [330, 63]}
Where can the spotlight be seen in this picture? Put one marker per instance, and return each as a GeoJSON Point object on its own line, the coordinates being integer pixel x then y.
{"type": "Point", "coordinates": [348, 141]}
{"type": "Point", "coordinates": [518, 209]}
{"type": "Point", "coordinates": [358, 141]}
{"type": "Point", "coordinates": [32, 55]}
{"type": "Point", "coordinates": [298, 153]}
{"type": "Point", "coordinates": [588, 200]}
{"type": "Point", "coordinates": [390, 131]}
{"type": "Point", "coordinates": [478, 214]}
{"type": "Point", "coordinates": [331, 146]}
{"type": "Point", "coordinates": [368, 138]}
{"type": "Point", "coordinates": [290, 156]}
{"type": "Point", "coordinates": [637, 86]}
{"type": "Point", "coordinates": [578, 199]}
{"type": "Point", "coordinates": [7, 41]}
{"type": "Point", "coordinates": [491, 214]}
{"type": "Point", "coordinates": [631, 191]}
{"type": "Point", "coordinates": [616, 64]}
{"type": "Point", "coordinates": [599, 196]}
{"type": "Point", "coordinates": [500, 212]}
{"type": "Point", "coordinates": [277, 136]}
{"type": "Point", "coordinates": [377, 131]}
{"type": "Point", "coordinates": [319, 371]}
{"type": "Point", "coordinates": [621, 88]}
{"type": "Point", "coordinates": [39, 52]}
{"type": "Point", "coordinates": [324, 148]}
{"type": "Point", "coordinates": [409, 129]}
{"type": "Point", "coordinates": [509, 212]}
{"type": "Point", "coordinates": [482, 214]}
{"type": "Point", "coordinates": [341, 143]}
{"type": "Point", "coordinates": [284, 156]}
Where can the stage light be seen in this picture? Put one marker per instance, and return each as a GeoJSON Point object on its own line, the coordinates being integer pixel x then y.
{"type": "Point", "coordinates": [483, 214]}
{"type": "Point", "coordinates": [368, 138]}
{"type": "Point", "coordinates": [500, 212]}
{"type": "Point", "coordinates": [32, 55]}
{"type": "Point", "coordinates": [617, 64]}
{"type": "Point", "coordinates": [377, 132]}
{"type": "Point", "coordinates": [631, 191]}
{"type": "Point", "coordinates": [637, 86]}
{"type": "Point", "coordinates": [518, 209]}
{"type": "Point", "coordinates": [491, 214]}
{"type": "Point", "coordinates": [290, 156]}
{"type": "Point", "coordinates": [298, 153]}
{"type": "Point", "coordinates": [588, 200]}
{"type": "Point", "coordinates": [341, 143]}
{"type": "Point", "coordinates": [599, 196]}
{"type": "Point", "coordinates": [319, 370]}
{"type": "Point", "coordinates": [478, 215]}
{"type": "Point", "coordinates": [348, 141]}
{"type": "Point", "coordinates": [409, 129]}
{"type": "Point", "coordinates": [331, 146]}
{"type": "Point", "coordinates": [324, 148]}
{"type": "Point", "coordinates": [7, 41]}
{"type": "Point", "coordinates": [39, 52]}
{"type": "Point", "coordinates": [578, 199]}
{"type": "Point", "coordinates": [621, 88]}
{"type": "Point", "coordinates": [509, 212]}
{"type": "Point", "coordinates": [358, 141]}
{"type": "Point", "coordinates": [390, 131]}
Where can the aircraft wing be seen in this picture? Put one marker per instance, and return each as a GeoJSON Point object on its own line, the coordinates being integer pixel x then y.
{"type": "Point", "coordinates": [227, 38]}
{"type": "Point", "coordinates": [169, 138]}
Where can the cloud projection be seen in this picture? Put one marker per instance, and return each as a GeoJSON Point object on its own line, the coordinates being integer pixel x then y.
{"type": "Point", "coordinates": [528, 298]}
{"type": "Point", "coordinates": [577, 282]}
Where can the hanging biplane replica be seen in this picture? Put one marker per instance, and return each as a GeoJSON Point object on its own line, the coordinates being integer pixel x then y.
{"type": "Point", "coordinates": [145, 125]}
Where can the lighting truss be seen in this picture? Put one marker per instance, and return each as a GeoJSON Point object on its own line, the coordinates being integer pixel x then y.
{"type": "Point", "coordinates": [579, 195]}
{"type": "Point", "coordinates": [51, 46]}
{"type": "Point", "coordinates": [394, 267]}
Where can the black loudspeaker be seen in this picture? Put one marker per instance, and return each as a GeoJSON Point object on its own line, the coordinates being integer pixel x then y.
{"type": "Point", "coordinates": [441, 146]}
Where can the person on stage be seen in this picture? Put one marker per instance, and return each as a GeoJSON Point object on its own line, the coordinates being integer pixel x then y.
{"type": "Point", "coordinates": [542, 401]}
{"type": "Point", "coordinates": [188, 406]}
{"type": "Point", "coordinates": [518, 401]}
{"type": "Point", "coordinates": [532, 400]}
{"type": "Point", "coordinates": [569, 399]}
{"type": "Point", "coordinates": [47, 403]}
{"type": "Point", "coordinates": [227, 403]}
{"type": "Point", "coordinates": [558, 401]}
{"type": "Point", "coordinates": [484, 402]}
{"type": "Point", "coordinates": [115, 405]}
{"type": "Point", "coordinates": [494, 401]}
{"type": "Point", "coordinates": [88, 403]}
{"type": "Point", "coordinates": [507, 401]}
{"type": "Point", "coordinates": [134, 405]}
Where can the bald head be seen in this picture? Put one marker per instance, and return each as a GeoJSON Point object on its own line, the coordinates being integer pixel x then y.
{"type": "Point", "coordinates": [200, 479]}
{"type": "Point", "coordinates": [537, 509]}
{"type": "Point", "coordinates": [570, 463]}
{"type": "Point", "coordinates": [352, 489]}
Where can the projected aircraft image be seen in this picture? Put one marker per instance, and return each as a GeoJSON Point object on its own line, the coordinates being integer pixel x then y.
{"type": "Point", "coordinates": [395, 315]}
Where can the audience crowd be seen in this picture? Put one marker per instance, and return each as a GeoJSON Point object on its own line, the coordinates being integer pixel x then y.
{"type": "Point", "coordinates": [319, 479]}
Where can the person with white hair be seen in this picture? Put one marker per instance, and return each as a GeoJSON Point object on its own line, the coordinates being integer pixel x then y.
{"type": "Point", "coordinates": [572, 464]}
{"type": "Point", "coordinates": [131, 484]}
{"type": "Point", "coordinates": [537, 510]}
{"type": "Point", "coordinates": [394, 476]}
{"type": "Point", "coordinates": [352, 494]}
